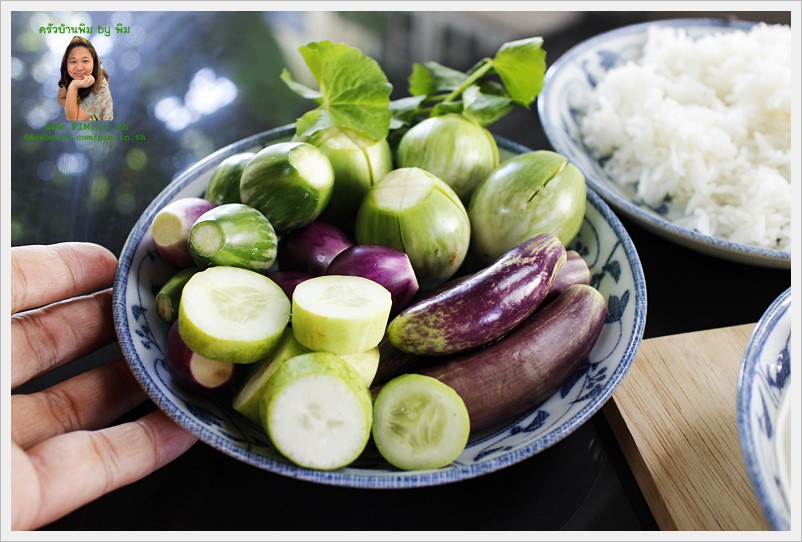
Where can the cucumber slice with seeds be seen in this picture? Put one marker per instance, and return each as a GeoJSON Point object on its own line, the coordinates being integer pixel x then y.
{"type": "Point", "coordinates": [341, 314]}
{"type": "Point", "coordinates": [419, 423]}
{"type": "Point", "coordinates": [232, 314]}
{"type": "Point", "coordinates": [317, 412]}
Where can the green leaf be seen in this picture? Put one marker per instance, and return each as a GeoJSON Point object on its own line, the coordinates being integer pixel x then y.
{"type": "Point", "coordinates": [300, 89]}
{"type": "Point", "coordinates": [405, 109]}
{"type": "Point", "coordinates": [485, 107]}
{"type": "Point", "coordinates": [420, 81]}
{"type": "Point", "coordinates": [445, 108]}
{"type": "Point", "coordinates": [521, 65]}
{"type": "Point", "coordinates": [433, 78]}
{"type": "Point", "coordinates": [313, 121]}
{"type": "Point", "coordinates": [354, 91]}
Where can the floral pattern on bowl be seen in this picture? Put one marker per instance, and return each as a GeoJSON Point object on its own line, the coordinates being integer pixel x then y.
{"type": "Point", "coordinates": [763, 387]}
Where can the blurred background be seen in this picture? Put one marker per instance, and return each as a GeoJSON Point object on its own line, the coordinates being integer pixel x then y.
{"type": "Point", "coordinates": [189, 83]}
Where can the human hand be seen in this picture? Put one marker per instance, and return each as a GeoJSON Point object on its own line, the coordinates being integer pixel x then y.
{"type": "Point", "coordinates": [85, 82]}
{"type": "Point", "coordinates": [63, 454]}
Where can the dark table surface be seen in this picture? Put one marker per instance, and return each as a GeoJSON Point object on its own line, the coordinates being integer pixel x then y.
{"type": "Point", "coordinates": [581, 483]}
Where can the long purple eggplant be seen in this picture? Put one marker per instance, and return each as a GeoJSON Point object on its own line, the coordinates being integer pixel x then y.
{"type": "Point", "coordinates": [483, 307]}
{"type": "Point", "coordinates": [523, 369]}
{"type": "Point", "coordinates": [574, 271]}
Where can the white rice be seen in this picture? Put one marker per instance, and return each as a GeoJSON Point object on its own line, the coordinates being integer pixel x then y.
{"type": "Point", "coordinates": [704, 126]}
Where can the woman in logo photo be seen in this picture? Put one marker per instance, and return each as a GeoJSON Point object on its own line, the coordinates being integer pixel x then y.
{"type": "Point", "coordinates": [83, 88]}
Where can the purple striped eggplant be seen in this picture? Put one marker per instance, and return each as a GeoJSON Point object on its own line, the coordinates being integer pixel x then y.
{"type": "Point", "coordinates": [574, 271]}
{"type": "Point", "coordinates": [531, 363]}
{"type": "Point", "coordinates": [517, 373]}
{"type": "Point", "coordinates": [484, 307]}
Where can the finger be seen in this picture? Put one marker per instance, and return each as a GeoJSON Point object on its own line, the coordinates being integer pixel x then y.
{"type": "Point", "coordinates": [73, 469]}
{"type": "Point", "coordinates": [90, 400]}
{"type": "Point", "coordinates": [45, 338]}
{"type": "Point", "coordinates": [43, 274]}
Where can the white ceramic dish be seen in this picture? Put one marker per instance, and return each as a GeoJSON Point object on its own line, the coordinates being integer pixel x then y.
{"type": "Point", "coordinates": [604, 243]}
{"type": "Point", "coordinates": [763, 385]}
{"type": "Point", "coordinates": [573, 76]}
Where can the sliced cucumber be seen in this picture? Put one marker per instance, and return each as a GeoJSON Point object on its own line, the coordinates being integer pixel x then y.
{"type": "Point", "coordinates": [341, 314]}
{"type": "Point", "coordinates": [366, 364]}
{"type": "Point", "coordinates": [249, 397]}
{"type": "Point", "coordinates": [419, 423]}
{"type": "Point", "coordinates": [232, 314]}
{"type": "Point", "coordinates": [233, 234]}
{"type": "Point", "coordinates": [317, 412]}
{"type": "Point", "coordinates": [289, 182]}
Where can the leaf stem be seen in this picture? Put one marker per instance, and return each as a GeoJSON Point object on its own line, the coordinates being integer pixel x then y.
{"type": "Point", "coordinates": [477, 74]}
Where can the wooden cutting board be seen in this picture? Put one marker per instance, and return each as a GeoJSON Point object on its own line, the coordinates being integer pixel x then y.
{"type": "Point", "coordinates": [674, 415]}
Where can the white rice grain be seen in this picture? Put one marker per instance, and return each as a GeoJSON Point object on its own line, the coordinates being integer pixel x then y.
{"type": "Point", "coordinates": [703, 125]}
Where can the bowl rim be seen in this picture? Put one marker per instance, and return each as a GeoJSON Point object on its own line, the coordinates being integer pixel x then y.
{"type": "Point", "coordinates": [747, 376]}
{"type": "Point", "coordinates": [352, 479]}
{"type": "Point", "coordinates": [692, 238]}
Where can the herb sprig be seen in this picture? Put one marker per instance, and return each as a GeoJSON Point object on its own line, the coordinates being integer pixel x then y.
{"type": "Point", "coordinates": [354, 92]}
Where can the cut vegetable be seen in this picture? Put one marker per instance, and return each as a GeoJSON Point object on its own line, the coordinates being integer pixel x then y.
{"type": "Point", "coordinates": [235, 235]}
{"type": "Point", "coordinates": [248, 399]}
{"type": "Point", "coordinates": [171, 226]}
{"type": "Point", "coordinates": [419, 423]}
{"type": "Point", "coordinates": [359, 162]}
{"type": "Point", "coordinates": [289, 182]}
{"type": "Point", "coordinates": [340, 314]}
{"type": "Point", "coordinates": [192, 371]}
{"type": "Point", "coordinates": [168, 297]}
{"type": "Point", "coordinates": [317, 412]}
{"type": "Point", "coordinates": [366, 364]}
{"type": "Point", "coordinates": [232, 314]}
{"type": "Point", "coordinates": [386, 265]}
{"type": "Point", "coordinates": [415, 212]}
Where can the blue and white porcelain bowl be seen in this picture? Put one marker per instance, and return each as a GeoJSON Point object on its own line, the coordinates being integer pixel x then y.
{"type": "Point", "coordinates": [764, 403]}
{"type": "Point", "coordinates": [616, 272]}
{"type": "Point", "coordinates": [569, 82]}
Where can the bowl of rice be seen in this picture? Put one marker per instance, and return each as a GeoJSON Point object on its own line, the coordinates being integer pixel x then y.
{"type": "Point", "coordinates": [684, 126]}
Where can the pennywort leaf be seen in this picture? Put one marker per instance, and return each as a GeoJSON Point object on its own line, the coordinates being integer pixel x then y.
{"type": "Point", "coordinates": [432, 78]}
{"type": "Point", "coordinates": [485, 93]}
{"type": "Point", "coordinates": [353, 93]}
{"type": "Point", "coordinates": [404, 110]}
{"type": "Point", "coordinates": [300, 89]}
{"type": "Point", "coordinates": [486, 104]}
{"type": "Point", "coordinates": [521, 65]}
